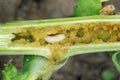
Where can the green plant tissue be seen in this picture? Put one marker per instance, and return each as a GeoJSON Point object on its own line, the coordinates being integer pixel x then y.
{"type": "Point", "coordinates": [87, 7]}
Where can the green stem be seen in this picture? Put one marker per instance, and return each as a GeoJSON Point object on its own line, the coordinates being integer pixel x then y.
{"type": "Point", "coordinates": [91, 48]}
{"type": "Point", "coordinates": [6, 33]}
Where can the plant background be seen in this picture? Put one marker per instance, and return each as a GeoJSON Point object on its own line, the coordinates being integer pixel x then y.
{"type": "Point", "coordinates": [82, 67]}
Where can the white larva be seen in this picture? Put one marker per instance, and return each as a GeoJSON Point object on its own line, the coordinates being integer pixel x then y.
{"type": "Point", "coordinates": [56, 38]}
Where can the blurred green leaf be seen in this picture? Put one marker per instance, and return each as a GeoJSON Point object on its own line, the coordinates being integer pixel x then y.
{"type": "Point", "coordinates": [111, 53]}
{"type": "Point", "coordinates": [33, 66]}
{"type": "Point", "coordinates": [11, 73]}
{"type": "Point", "coordinates": [107, 75]}
{"type": "Point", "coordinates": [87, 7]}
{"type": "Point", "coordinates": [116, 60]}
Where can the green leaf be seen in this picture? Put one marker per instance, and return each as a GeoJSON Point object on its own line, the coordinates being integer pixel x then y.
{"type": "Point", "coordinates": [38, 66]}
{"type": "Point", "coordinates": [11, 73]}
{"type": "Point", "coordinates": [107, 75]}
{"type": "Point", "coordinates": [8, 72]}
{"type": "Point", "coordinates": [33, 66]}
{"type": "Point", "coordinates": [87, 7]}
{"type": "Point", "coordinates": [116, 60]}
{"type": "Point", "coordinates": [111, 53]}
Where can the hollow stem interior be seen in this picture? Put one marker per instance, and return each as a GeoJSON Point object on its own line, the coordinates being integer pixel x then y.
{"type": "Point", "coordinates": [75, 34]}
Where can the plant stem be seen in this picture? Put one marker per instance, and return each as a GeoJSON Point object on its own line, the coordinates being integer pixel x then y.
{"type": "Point", "coordinates": [91, 48]}
{"type": "Point", "coordinates": [7, 48]}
